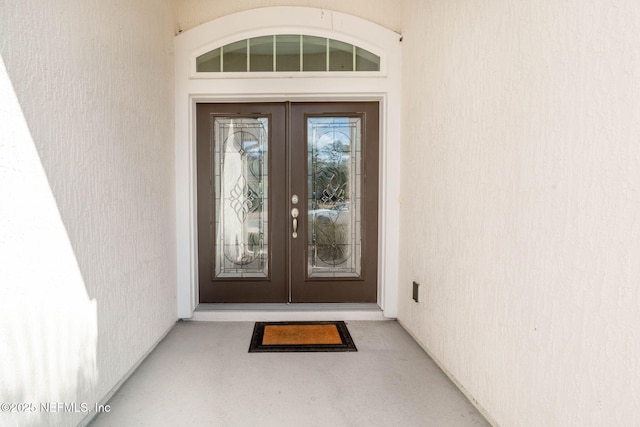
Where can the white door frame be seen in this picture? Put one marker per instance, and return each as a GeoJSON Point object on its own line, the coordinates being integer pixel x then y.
{"type": "Point", "coordinates": [192, 88]}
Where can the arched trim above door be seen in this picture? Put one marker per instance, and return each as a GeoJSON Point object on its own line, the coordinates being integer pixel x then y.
{"type": "Point", "coordinates": [193, 87]}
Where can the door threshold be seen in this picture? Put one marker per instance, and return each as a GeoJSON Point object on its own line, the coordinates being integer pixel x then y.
{"type": "Point", "coordinates": [286, 312]}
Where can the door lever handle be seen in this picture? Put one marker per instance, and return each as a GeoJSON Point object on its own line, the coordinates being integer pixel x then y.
{"type": "Point", "coordinates": [294, 215]}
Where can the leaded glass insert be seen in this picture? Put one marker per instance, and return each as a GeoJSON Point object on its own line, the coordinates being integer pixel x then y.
{"type": "Point", "coordinates": [240, 161]}
{"type": "Point", "coordinates": [334, 199]}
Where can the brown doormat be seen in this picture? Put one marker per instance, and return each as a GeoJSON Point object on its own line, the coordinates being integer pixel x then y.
{"type": "Point", "coordinates": [301, 336]}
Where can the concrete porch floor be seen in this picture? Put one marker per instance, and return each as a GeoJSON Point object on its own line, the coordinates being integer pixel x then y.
{"type": "Point", "coordinates": [201, 374]}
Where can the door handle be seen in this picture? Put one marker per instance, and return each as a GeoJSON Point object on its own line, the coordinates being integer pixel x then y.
{"type": "Point", "coordinates": [294, 215]}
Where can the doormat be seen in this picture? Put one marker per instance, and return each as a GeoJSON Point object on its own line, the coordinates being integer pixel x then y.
{"type": "Point", "coordinates": [269, 337]}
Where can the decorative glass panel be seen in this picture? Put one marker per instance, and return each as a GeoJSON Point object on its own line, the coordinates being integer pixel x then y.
{"type": "Point", "coordinates": [334, 199]}
{"type": "Point", "coordinates": [241, 196]}
{"type": "Point", "coordinates": [292, 53]}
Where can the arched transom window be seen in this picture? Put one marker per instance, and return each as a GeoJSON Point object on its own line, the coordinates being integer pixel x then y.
{"type": "Point", "coordinates": [287, 53]}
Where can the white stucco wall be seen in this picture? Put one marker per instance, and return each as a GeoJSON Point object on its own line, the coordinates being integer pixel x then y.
{"type": "Point", "coordinates": [191, 13]}
{"type": "Point", "coordinates": [520, 204]}
{"type": "Point", "coordinates": [520, 125]}
{"type": "Point", "coordinates": [87, 223]}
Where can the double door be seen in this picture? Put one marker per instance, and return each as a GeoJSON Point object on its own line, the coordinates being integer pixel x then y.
{"type": "Point", "coordinates": [287, 202]}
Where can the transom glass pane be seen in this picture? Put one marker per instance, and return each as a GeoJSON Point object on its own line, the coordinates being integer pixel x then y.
{"type": "Point", "coordinates": [340, 56]}
{"type": "Point", "coordinates": [334, 199]}
{"type": "Point", "coordinates": [366, 61]}
{"type": "Point", "coordinates": [240, 161]}
{"type": "Point", "coordinates": [209, 62]}
{"type": "Point", "coordinates": [261, 54]}
{"type": "Point", "coordinates": [314, 53]}
{"type": "Point", "coordinates": [288, 52]}
{"type": "Point", "coordinates": [234, 57]}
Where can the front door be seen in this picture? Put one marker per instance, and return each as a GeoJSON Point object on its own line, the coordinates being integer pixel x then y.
{"type": "Point", "coordinates": [287, 202]}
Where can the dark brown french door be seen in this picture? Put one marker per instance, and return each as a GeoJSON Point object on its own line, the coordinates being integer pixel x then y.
{"type": "Point", "coordinates": [287, 202]}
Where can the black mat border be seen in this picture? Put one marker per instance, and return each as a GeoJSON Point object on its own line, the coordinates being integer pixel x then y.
{"type": "Point", "coordinates": [258, 333]}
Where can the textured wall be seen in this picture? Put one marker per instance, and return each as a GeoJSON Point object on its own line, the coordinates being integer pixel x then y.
{"type": "Point", "coordinates": [521, 198]}
{"type": "Point", "coordinates": [191, 13]}
{"type": "Point", "coordinates": [87, 109]}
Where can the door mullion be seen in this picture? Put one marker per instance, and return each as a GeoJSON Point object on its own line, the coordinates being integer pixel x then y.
{"type": "Point", "coordinates": [287, 150]}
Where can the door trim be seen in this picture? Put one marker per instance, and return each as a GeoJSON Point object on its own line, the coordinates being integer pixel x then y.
{"type": "Point", "coordinates": [384, 89]}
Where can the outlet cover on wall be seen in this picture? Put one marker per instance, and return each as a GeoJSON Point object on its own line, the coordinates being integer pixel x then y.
{"type": "Point", "coordinates": [416, 285]}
